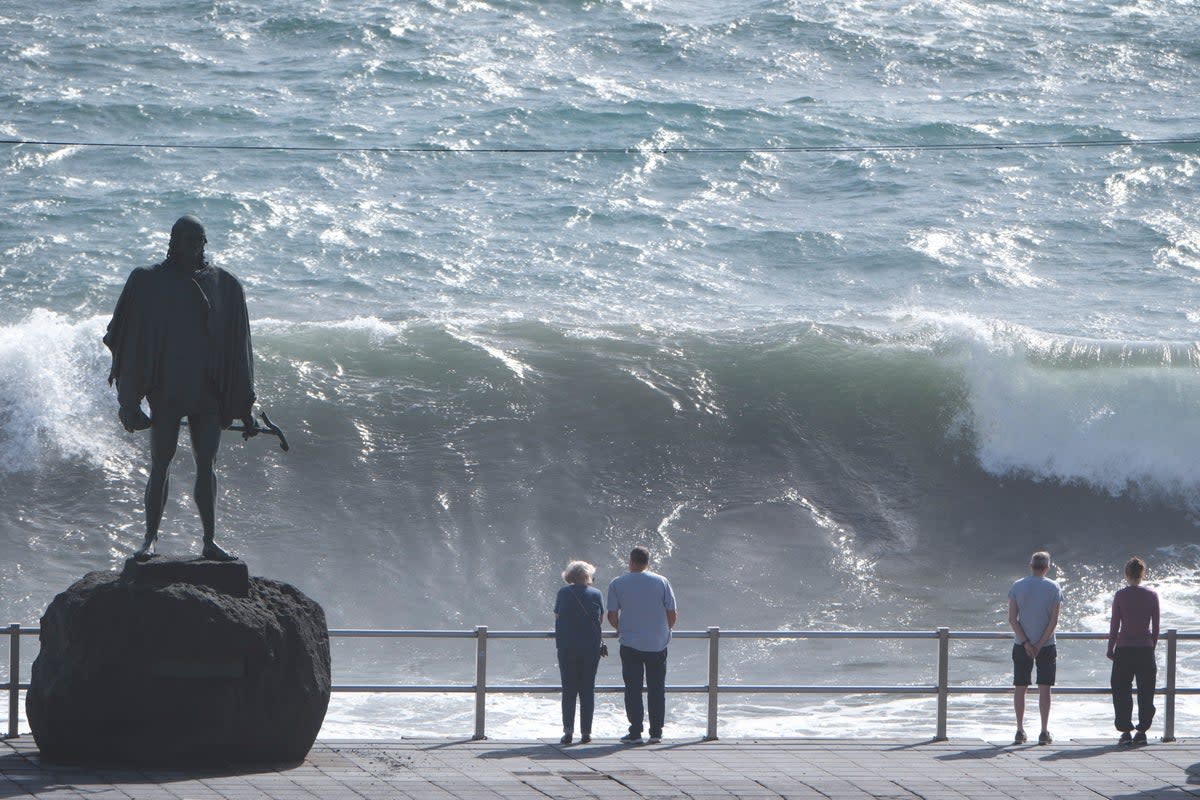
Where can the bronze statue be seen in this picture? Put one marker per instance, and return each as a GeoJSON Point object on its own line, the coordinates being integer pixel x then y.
{"type": "Point", "coordinates": [180, 338]}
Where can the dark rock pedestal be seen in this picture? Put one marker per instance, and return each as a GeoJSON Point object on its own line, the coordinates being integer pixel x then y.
{"type": "Point", "coordinates": [179, 663]}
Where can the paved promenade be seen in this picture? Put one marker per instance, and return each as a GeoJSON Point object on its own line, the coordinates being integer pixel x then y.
{"type": "Point", "coordinates": [837, 769]}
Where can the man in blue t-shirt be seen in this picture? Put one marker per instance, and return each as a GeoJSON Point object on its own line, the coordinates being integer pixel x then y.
{"type": "Point", "coordinates": [1033, 606]}
{"type": "Point", "coordinates": [641, 606]}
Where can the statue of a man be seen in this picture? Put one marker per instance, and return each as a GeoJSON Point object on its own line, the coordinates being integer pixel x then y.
{"type": "Point", "coordinates": [180, 338]}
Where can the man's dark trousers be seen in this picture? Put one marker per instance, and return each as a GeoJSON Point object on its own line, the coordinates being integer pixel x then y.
{"type": "Point", "coordinates": [635, 663]}
{"type": "Point", "coordinates": [1128, 663]}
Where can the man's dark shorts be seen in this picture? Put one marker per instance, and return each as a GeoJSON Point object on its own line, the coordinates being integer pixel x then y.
{"type": "Point", "coordinates": [1047, 664]}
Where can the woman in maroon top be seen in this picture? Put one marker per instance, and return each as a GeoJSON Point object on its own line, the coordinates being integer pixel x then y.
{"type": "Point", "coordinates": [1132, 635]}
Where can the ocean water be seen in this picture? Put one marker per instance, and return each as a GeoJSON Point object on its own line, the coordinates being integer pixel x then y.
{"type": "Point", "coordinates": [532, 281]}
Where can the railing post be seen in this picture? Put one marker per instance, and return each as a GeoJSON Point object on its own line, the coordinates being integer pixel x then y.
{"type": "Point", "coordinates": [1169, 711]}
{"type": "Point", "coordinates": [714, 646]}
{"type": "Point", "coordinates": [943, 682]}
{"type": "Point", "coordinates": [480, 680]}
{"type": "Point", "coordinates": [14, 676]}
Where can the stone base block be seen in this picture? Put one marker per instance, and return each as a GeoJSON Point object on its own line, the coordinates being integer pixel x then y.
{"type": "Point", "coordinates": [179, 663]}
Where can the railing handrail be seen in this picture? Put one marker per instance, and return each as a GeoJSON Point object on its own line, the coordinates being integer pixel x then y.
{"type": "Point", "coordinates": [942, 689]}
{"type": "Point", "coordinates": [469, 633]}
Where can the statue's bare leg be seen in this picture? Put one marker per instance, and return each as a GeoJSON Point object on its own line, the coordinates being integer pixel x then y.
{"type": "Point", "coordinates": [164, 437]}
{"type": "Point", "coordinates": [206, 439]}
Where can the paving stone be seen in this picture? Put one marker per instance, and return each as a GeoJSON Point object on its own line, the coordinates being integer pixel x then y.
{"type": "Point", "coordinates": [695, 770]}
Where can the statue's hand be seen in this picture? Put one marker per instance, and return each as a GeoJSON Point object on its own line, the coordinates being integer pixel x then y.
{"type": "Point", "coordinates": [133, 418]}
{"type": "Point", "coordinates": [250, 425]}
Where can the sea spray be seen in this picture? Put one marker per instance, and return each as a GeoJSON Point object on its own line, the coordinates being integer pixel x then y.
{"type": "Point", "coordinates": [52, 393]}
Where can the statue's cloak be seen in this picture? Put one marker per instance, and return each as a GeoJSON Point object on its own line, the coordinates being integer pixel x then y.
{"type": "Point", "coordinates": [150, 322]}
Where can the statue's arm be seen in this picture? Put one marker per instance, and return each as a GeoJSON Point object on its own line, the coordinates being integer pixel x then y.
{"type": "Point", "coordinates": [237, 374]}
{"type": "Point", "coordinates": [124, 337]}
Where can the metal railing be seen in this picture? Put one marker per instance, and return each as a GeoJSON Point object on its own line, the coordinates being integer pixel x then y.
{"type": "Point", "coordinates": [713, 688]}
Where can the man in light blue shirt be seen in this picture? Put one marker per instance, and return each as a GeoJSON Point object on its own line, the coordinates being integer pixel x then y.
{"type": "Point", "coordinates": [641, 606]}
{"type": "Point", "coordinates": [1033, 606]}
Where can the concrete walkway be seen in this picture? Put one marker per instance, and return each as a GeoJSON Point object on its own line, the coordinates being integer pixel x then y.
{"type": "Point", "coordinates": [442, 770]}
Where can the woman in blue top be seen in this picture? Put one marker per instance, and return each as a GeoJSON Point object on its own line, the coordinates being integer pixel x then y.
{"type": "Point", "coordinates": [578, 609]}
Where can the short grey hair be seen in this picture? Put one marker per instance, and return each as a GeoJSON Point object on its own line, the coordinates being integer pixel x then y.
{"type": "Point", "coordinates": [578, 572]}
{"type": "Point", "coordinates": [1040, 560]}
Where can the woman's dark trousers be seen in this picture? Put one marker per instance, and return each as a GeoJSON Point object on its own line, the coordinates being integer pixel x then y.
{"type": "Point", "coordinates": [578, 671]}
{"type": "Point", "coordinates": [1130, 663]}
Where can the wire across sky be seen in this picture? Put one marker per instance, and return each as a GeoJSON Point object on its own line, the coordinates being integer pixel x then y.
{"type": "Point", "coordinates": [632, 150]}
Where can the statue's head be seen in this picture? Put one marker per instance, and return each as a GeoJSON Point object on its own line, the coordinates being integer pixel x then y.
{"type": "Point", "coordinates": [187, 239]}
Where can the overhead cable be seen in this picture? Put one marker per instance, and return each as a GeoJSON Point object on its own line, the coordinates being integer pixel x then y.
{"type": "Point", "coordinates": [634, 150]}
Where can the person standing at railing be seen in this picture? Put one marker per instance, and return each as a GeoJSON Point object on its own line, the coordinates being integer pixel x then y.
{"type": "Point", "coordinates": [641, 606]}
{"type": "Point", "coordinates": [1033, 606]}
{"type": "Point", "coordinates": [1132, 637]}
{"type": "Point", "coordinates": [578, 611]}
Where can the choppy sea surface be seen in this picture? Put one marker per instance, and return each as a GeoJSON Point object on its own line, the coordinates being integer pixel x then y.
{"type": "Point", "coordinates": [765, 286]}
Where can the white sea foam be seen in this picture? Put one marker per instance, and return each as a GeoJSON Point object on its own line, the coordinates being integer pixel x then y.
{"type": "Point", "coordinates": [741, 716]}
{"type": "Point", "coordinates": [1118, 417]}
{"type": "Point", "coordinates": [1006, 256]}
{"type": "Point", "coordinates": [514, 364]}
{"type": "Point", "coordinates": [1113, 428]}
{"type": "Point", "coordinates": [376, 329]}
{"type": "Point", "coordinates": [53, 397]}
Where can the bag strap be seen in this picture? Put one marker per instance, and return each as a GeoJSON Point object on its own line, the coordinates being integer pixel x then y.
{"type": "Point", "coordinates": [584, 610]}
